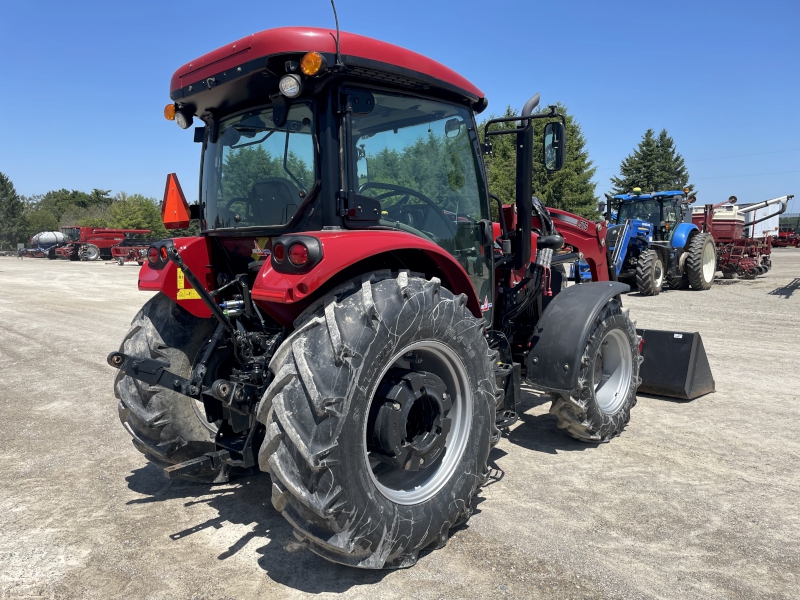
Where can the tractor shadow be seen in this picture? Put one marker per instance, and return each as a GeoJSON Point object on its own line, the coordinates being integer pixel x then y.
{"type": "Point", "coordinates": [786, 291]}
{"type": "Point", "coordinates": [246, 501]}
{"type": "Point", "coordinates": [539, 432]}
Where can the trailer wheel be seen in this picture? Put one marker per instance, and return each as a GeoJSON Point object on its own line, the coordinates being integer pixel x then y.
{"type": "Point", "coordinates": [649, 273]}
{"type": "Point", "coordinates": [600, 407]}
{"type": "Point", "coordinates": [167, 427]}
{"type": "Point", "coordinates": [379, 420]}
{"type": "Point", "coordinates": [701, 264]}
{"type": "Point", "coordinates": [121, 262]}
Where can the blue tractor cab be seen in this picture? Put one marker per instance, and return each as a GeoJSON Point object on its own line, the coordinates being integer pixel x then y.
{"type": "Point", "coordinates": [651, 245]}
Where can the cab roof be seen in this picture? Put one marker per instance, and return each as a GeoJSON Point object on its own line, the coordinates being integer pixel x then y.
{"type": "Point", "coordinates": [650, 196]}
{"type": "Point", "coordinates": [359, 53]}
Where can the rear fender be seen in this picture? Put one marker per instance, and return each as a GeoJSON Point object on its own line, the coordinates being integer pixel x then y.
{"type": "Point", "coordinates": [553, 362]}
{"type": "Point", "coordinates": [285, 295]}
{"type": "Point", "coordinates": [195, 253]}
{"type": "Point", "coordinates": [682, 234]}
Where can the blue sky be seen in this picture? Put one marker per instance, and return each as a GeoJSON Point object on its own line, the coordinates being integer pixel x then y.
{"type": "Point", "coordinates": [83, 83]}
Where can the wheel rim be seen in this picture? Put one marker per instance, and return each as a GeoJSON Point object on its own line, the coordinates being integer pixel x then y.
{"type": "Point", "coordinates": [658, 273]}
{"type": "Point", "coordinates": [401, 485]}
{"type": "Point", "coordinates": [709, 262]}
{"type": "Point", "coordinates": [613, 366]}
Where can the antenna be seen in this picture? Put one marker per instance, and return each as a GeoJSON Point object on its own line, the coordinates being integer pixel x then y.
{"type": "Point", "coordinates": [339, 62]}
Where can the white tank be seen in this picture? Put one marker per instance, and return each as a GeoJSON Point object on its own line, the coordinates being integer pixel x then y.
{"type": "Point", "coordinates": [47, 238]}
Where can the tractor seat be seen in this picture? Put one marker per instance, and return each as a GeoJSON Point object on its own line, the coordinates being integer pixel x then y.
{"type": "Point", "coordinates": [274, 201]}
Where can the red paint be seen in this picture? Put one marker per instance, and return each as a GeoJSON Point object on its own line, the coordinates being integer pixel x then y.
{"type": "Point", "coordinates": [305, 39]}
{"type": "Point", "coordinates": [285, 295]}
{"type": "Point", "coordinates": [195, 253]}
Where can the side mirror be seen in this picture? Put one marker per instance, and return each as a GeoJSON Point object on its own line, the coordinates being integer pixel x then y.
{"type": "Point", "coordinates": [555, 146]}
{"type": "Point", "coordinates": [732, 200]}
{"type": "Point", "coordinates": [453, 127]}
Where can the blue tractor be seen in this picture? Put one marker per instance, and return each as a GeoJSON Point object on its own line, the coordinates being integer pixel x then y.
{"type": "Point", "coordinates": [652, 246]}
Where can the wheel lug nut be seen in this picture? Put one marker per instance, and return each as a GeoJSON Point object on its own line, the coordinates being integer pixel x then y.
{"type": "Point", "coordinates": [396, 406]}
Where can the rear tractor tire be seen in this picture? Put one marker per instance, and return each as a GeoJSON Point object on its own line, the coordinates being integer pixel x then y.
{"type": "Point", "coordinates": [600, 407]}
{"type": "Point", "coordinates": [167, 427]}
{"type": "Point", "coordinates": [379, 420]}
{"type": "Point", "coordinates": [649, 273]}
{"type": "Point", "coordinates": [701, 264]}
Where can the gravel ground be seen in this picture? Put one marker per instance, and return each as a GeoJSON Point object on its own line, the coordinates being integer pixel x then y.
{"type": "Point", "coordinates": [695, 499]}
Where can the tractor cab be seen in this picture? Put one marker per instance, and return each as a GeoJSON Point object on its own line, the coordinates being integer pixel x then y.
{"type": "Point", "coordinates": [664, 210]}
{"type": "Point", "coordinates": [304, 130]}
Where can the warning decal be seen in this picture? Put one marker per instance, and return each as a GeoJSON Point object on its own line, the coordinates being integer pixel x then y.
{"type": "Point", "coordinates": [185, 292]}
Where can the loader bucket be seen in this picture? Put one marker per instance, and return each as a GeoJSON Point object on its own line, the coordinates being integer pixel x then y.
{"type": "Point", "coordinates": [675, 364]}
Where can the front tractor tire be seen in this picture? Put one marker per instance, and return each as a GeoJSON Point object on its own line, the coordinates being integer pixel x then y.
{"type": "Point", "coordinates": [701, 263]}
{"type": "Point", "coordinates": [167, 427]}
{"type": "Point", "coordinates": [600, 407]}
{"type": "Point", "coordinates": [649, 273]}
{"type": "Point", "coordinates": [379, 420]}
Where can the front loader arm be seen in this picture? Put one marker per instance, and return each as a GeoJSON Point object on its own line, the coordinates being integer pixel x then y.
{"type": "Point", "coordinates": [588, 238]}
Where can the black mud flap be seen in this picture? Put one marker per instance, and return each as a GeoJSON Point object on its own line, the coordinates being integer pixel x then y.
{"type": "Point", "coordinates": [675, 365]}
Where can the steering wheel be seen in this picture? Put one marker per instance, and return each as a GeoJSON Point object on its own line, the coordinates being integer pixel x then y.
{"type": "Point", "coordinates": [399, 190]}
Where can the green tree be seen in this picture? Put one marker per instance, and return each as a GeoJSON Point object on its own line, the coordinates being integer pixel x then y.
{"type": "Point", "coordinates": [653, 166]}
{"type": "Point", "coordinates": [569, 189]}
{"type": "Point", "coordinates": [245, 166]}
{"type": "Point", "coordinates": [12, 215]}
{"type": "Point", "coordinates": [136, 212]}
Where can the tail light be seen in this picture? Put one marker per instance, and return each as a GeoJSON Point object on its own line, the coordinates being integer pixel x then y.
{"type": "Point", "coordinates": [298, 254]}
{"type": "Point", "coordinates": [152, 254]}
{"type": "Point", "coordinates": [303, 252]}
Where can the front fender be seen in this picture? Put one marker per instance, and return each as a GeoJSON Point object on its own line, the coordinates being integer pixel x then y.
{"type": "Point", "coordinates": [681, 235]}
{"type": "Point", "coordinates": [553, 362]}
{"type": "Point", "coordinates": [285, 295]}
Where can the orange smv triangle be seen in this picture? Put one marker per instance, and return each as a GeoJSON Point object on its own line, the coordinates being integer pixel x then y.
{"type": "Point", "coordinates": [174, 209]}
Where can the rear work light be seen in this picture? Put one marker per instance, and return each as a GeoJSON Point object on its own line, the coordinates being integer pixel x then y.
{"type": "Point", "coordinates": [298, 254]}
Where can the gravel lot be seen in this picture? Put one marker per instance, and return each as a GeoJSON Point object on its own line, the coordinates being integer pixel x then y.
{"type": "Point", "coordinates": [695, 499]}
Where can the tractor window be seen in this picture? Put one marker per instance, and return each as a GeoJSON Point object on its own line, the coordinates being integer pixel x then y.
{"type": "Point", "coordinates": [71, 234]}
{"type": "Point", "coordinates": [644, 210]}
{"type": "Point", "coordinates": [257, 174]}
{"type": "Point", "coordinates": [419, 159]}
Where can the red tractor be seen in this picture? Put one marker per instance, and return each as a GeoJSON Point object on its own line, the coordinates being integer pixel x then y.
{"type": "Point", "coordinates": [90, 243]}
{"type": "Point", "coordinates": [350, 320]}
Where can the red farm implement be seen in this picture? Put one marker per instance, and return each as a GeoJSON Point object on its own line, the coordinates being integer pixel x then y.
{"type": "Point", "coordinates": [132, 250]}
{"type": "Point", "coordinates": [787, 237]}
{"type": "Point", "coordinates": [91, 243]}
{"type": "Point", "coordinates": [743, 248]}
